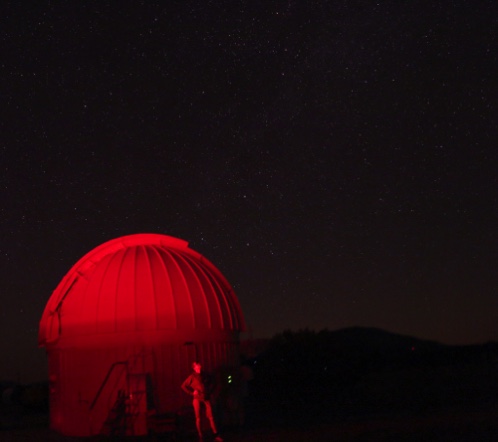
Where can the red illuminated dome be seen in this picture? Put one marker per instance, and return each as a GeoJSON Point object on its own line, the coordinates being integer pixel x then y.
{"type": "Point", "coordinates": [127, 321]}
{"type": "Point", "coordinates": [136, 285]}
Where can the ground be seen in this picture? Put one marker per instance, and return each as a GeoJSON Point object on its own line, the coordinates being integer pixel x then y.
{"type": "Point", "coordinates": [440, 426]}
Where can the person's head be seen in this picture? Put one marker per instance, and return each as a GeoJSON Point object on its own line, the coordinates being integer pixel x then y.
{"type": "Point", "coordinates": [197, 367]}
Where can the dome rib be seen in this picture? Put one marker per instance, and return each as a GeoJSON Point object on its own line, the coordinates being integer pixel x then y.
{"type": "Point", "coordinates": [169, 313]}
{"type": "Point", "coordinates": [196, 290]}
{"type": "Point", "coordinates": [151, 280]}
{"type": "Point", "coordinates": [89, 312]}
{"type": "Point", "coordinates": [214, 283]}
{"type": "Point", "coordinates": [107, 293]}
{"type": "Point", "coordinates": [136, 291]}
{"type": "Point", "coordinates": [179, 278]}
{"type": "Point", "coordinates": [210, 295]}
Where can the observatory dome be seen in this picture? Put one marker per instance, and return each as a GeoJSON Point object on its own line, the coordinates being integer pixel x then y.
{"type": "Point", "coordinates": [141, 284]}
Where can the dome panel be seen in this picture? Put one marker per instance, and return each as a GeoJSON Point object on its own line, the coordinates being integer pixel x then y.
{"type": "Point", "coordinates": [183, 304]}
{"type": "Point", "coordinates": [118, 289]}
{"type": "Point", "coordinates": [165, 304]}
{"type": "Point", "coordinates": [201, 313]}
{"type": "Point", "coordinates": [146, 306]}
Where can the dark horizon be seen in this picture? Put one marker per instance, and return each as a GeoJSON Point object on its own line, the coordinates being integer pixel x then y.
{"type": "Point", "coordinates": [36, 370]}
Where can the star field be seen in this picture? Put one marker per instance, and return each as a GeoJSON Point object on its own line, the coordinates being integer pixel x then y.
{"type": "Point", "coordinates": [335, 160]}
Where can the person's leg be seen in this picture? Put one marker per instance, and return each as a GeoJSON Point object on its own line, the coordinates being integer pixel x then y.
{"type": "Point", "coordinates": [197, 409]}
{"type": "Point", "coordinates": [209, 415]}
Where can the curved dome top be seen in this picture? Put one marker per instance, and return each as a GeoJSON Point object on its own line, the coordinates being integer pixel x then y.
{"type": "Point", "coordinates": [140, 283]}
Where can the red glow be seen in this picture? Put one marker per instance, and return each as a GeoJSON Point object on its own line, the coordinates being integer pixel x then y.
{"type": "Point", "coordinates": [122, 315]}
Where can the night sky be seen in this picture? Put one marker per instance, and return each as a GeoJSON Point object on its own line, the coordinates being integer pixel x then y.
{"type": "Point", "coordinates": [336, 160]}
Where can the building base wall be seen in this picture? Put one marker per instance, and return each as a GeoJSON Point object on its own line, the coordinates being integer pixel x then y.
{"type": "Point", "coordinates": [90, 388]}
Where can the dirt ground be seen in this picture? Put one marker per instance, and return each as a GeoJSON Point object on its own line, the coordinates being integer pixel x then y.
{"type": "Point", "coordinates": [447, 426]}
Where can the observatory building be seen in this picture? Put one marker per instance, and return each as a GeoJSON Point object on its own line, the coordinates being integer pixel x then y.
{"type": "Point", "coordinates": [123, 327]}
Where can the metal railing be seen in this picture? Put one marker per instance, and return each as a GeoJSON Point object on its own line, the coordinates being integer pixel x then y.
{"type": "Point", "coordinates": [106, 379]}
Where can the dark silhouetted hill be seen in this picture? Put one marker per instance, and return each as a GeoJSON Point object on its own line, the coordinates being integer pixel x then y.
{"type": "Point", "coordinates": [327, 374]}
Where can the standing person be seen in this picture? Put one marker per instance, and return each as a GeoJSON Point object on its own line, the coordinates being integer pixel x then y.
{"type": "Point", "coordinates": [195, 386]}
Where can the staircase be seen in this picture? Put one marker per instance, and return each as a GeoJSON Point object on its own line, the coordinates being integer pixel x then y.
{"type": "Point", "coordinates": [124, 403]}
{"type": "Point", "coordinates": [128, 415]}
{"type": "Point", "coordinates": [116, 423]}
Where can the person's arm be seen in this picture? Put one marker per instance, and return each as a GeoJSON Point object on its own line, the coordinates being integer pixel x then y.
{"type": "Point", "coordinates": [186, 387]}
